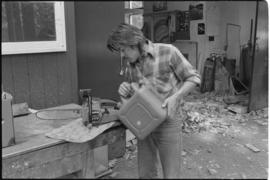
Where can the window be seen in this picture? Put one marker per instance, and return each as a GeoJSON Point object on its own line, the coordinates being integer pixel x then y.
{"type": "Point", "coordinates": [134, 13]}
{"type": "Point", "coordinates": [33, 27]}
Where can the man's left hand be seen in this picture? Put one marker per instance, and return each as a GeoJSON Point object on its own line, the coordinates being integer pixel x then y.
{"type": "Point", "coordinates": [172, 103]}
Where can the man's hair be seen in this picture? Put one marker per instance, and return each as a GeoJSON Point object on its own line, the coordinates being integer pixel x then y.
{"type": "Point", "coordinates": [125, 35]}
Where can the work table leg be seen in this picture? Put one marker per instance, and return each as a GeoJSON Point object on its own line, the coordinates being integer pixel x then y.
{"type": "Point", "coordinates": [88, 162]}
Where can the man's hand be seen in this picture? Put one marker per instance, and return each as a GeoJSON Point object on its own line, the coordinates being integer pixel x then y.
{"type": "Point", "coordinates": [125, 89]}
{"type": "Point", "coordinates": [172, 103]}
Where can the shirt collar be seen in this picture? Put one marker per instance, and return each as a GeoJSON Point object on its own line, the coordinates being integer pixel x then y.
{"type": "Point", "coordinates": [149, 49]}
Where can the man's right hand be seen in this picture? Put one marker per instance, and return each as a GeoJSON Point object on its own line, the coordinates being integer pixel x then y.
{"type": "Point", "coordinates": [125, 90]}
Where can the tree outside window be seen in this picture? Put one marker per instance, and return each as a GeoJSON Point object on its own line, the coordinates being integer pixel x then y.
{"type": "Point", "coordinates": [134, 13]}
{"type": "Point", "coordinates": [33, 27]}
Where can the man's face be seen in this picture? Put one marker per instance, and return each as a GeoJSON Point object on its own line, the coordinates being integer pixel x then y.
{"type": "Point", "coordinates": [129, 53]}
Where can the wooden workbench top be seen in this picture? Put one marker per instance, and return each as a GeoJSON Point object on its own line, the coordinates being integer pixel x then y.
{"type": "Point", "coordinates": [30, 130]}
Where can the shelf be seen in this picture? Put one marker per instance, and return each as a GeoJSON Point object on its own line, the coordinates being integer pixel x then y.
{"type": "Point", "coordinates": [159, 13]}
{"type": "Point", "coordinates": [187, 41]}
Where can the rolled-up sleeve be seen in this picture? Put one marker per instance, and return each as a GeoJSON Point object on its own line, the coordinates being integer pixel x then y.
{"type": "Point", "coordinates": [182, 68]}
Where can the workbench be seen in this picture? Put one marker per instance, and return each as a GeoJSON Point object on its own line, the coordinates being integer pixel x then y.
{"type": "Point", "coordinates": [36, 156]}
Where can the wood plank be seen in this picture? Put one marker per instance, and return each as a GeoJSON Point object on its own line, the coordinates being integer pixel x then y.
{"type": "Point", "coordinates": [40, 157]}
{"type": "Point", "coordinates": [110, 136]}
{"type": "Point", "coordinates": [67, 74]}
{"type": "Point", "coordinates": [42, 163]}
{"type": "Point", "coordinates": [35, 143]}
{"type": "Point", "coordinates": [72, 49]}
{"type": "Point", "coordinates": [21, 79]}
{"type": "Point", "coordinates": [88, 162]}
{"type": "Point", "coordinates": [35, 66]}
{"type": "Point", "coordinates": [45, 155]}
{"type": "Point", "coordinates": [7, 75]}
{"type": "Point", "coordinates": [259, 82]}
{"type": "Point", "coordinates": [50, 158]}
{"type": "Point", "coordinates": [64, 84]}
{"type": "Point", "coordinates": [50, 81]}
{"type": "Point", "coordinates": [32, 143]}
{"type": "Point", "coordinates": [98, 68]}
{"type": "Point", "coordinates": [28, 165]}
{"type": "Point", "coordinates": [52, 169]}
{"type": "Point", "coordinates": [29, 133]}
{"type": "Point", "coordinates": [20, 109]}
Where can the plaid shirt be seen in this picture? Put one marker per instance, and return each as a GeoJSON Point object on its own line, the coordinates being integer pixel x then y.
{"type": "Point", "coordinates": [164, 66]}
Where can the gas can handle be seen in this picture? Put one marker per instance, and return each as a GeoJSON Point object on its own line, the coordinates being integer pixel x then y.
{"type": "Point", "coordinates": [135, 86]}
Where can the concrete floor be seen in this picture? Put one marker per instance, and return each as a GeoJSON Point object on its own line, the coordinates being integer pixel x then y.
{"type": "Point", "coordinates": [214, 154]}
{"type": "Point", "coordinates": [209, 155]}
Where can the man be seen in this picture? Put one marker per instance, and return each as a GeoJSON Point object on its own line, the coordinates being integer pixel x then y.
{"type": "Point", "coordinates": [167, 70]}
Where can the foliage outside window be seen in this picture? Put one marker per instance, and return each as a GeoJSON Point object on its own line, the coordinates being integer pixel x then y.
{"type": "Point", "coordinates": [33, 27]}
{"type": "Point", "coordinates": [134, 13]}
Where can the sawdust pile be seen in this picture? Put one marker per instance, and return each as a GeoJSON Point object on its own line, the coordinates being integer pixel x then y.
{"type": "Point", "coordinates": [209, 112]}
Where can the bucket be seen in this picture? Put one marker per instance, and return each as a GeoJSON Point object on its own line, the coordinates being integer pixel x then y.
{"type": "Point", "coordinates": [142, 113]}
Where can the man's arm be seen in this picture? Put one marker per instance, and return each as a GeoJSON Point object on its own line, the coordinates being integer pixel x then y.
{"type": "Point", "coordinates": [185, 72]}
{"type": "Point", "coordinates": [172, 101]}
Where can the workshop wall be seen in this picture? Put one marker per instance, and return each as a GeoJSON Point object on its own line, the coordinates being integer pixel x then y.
{"type": "Point", "coordinates": [259, 84]}
{"type": "Point", "coordinates": [44, 79]}
{"type": "Point", "coordinates": [98, 68]}
{"type": "Point", "coordinates": [239, 13]}
{"type": "Point", "coordinates": [217, 15]}
{"type": "Point", "coordinates": [51, 79]}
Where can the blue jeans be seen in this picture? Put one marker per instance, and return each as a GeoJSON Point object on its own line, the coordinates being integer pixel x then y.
{"type": "Point", "coordinates": [165, 141]}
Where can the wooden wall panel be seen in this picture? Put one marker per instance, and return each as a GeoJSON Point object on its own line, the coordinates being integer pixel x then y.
{"type": "Point", "coordinates": [50, 79]}
{"type": "Point", "coordinates": [37, 91]}
{"type": "Point", "coordinates": [44, 79]}
{"type": "Point", "coordinates": [21, 79]}
{"type": "Point", "coordinates": [72, 48]}
{"type": "Point", "coordinates": [259, 82]}
{"type": "Point", "coordinates": [98, 68]}
{"type": "Point", "coordinates": [7, 76]}
{"type": "Point", "coordinates": [64, 85]}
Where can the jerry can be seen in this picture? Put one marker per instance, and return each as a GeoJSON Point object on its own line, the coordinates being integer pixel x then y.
{"type": "Point", "coordinates": [142, 113]}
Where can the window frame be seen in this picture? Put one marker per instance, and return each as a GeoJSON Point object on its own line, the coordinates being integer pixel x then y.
{"type": "Point", "coordinates": [130, 11]}
{"type": "Point", "coordinates": [59, 45]}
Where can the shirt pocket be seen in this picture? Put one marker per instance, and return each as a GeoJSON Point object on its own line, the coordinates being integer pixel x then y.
{"type": "Point", "coordinates": [164, 73]}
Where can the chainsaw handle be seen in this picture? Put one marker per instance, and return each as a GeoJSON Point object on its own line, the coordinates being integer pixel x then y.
{"type": "Point", "coordinates": [135, 88]}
